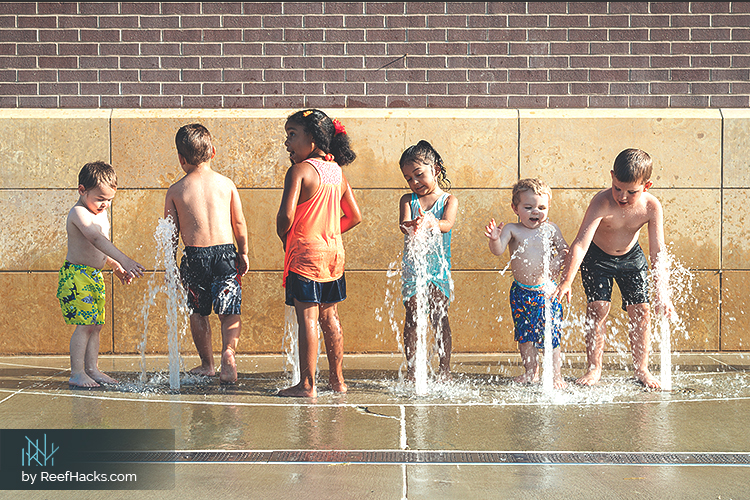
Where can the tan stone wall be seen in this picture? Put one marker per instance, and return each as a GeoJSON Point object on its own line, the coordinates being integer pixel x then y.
{"type": "Point", "coordinates": [700, 174]}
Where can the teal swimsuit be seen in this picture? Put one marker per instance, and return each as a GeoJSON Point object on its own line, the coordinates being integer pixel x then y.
{"type": "Point", "coordinates": [438, 257]}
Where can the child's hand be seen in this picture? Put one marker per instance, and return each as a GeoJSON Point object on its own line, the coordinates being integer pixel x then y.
{"type": "Point", "coordinates": [122, 274]}
{"type": "Point", "coordinates": [243, 264]}
{"type": "Point", "coordinates": [664, 306]}
{"type": "Point", "coordinates": [409, 226]}
{"type": "Point", "coordinates": [412, 226]}
{"type": "Point", "coordinates": [492, 231]}
{"type": "Point", "coordinates": [134, 269]}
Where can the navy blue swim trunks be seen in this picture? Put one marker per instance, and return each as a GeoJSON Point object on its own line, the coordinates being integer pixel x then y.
{"type": "Point", "coordinates": [306, 290]}
{"type": "Point", "coordinates": [210, 276]}
{"type": "Point", "coordinates": [629, 270]}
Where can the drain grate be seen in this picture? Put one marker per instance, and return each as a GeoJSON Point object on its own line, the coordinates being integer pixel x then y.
{"type": "Point", "coordinates": [435, 457]}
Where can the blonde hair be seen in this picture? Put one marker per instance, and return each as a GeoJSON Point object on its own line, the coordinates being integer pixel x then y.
{"type": "Point", "coordinates": [536, 186]}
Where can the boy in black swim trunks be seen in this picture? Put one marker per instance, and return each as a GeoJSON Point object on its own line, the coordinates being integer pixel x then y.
{"type": "Point", "coordinates": [607, 248]}
{"type": "Point", "coordinates": [207, 211]}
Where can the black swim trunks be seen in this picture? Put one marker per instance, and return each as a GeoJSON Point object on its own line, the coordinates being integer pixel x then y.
{"type": "Point", "coordinates": [306, 290]}
{"type": "Point", "coordinates": [630, 271]}
{"type": "Point", "coordinates": [210, 276]}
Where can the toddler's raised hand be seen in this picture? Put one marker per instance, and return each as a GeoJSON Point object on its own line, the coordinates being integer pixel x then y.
{"type": "Point", "coordinates": [492, 231]}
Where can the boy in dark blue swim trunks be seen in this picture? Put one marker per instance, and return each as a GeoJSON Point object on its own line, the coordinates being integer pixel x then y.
{"type": "Point", "coordinates": [606, 249]}
{"type": "Point", "coordinates": [207, 211]}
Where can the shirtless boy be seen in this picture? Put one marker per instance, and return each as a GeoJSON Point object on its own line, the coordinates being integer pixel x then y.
{"type": "Point", "coordinates": [207, 211]}
{"type": "Point", "coordinates": [81, 284]}
{"type": "Point", "coordinates": [531, 282]}
{"type": "Point", "coordinates": [607, 248]}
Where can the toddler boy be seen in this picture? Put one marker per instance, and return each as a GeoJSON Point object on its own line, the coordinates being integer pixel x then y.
{"type": "Point", "coordinates": [81, 284]}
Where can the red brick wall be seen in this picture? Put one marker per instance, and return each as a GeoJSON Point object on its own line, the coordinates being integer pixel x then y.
{"type": "Point", "coordinates": [375, 54]}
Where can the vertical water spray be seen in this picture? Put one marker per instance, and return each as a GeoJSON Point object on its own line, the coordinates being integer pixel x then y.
{"type": "Point", "coordinates": [547, 362]}
{"type": "Point", "coordinates": [176, 301]}
{"type": "Point", "coordinates": [664, 292]}
{"type": "Point", "coordinates": [420, 245]}
{"type": "Point", "coordinates": [290, 345]}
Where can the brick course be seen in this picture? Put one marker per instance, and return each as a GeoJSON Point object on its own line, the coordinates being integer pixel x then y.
{"type": "Point", "coordinates": [390, 54]}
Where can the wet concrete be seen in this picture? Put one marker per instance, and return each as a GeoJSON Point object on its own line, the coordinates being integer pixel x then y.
{"type": "Point", "coordinates": [480, 436]}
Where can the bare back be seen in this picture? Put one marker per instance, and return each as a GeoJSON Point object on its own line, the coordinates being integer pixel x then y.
{"type": "Point", "coordinates": [201, 204]}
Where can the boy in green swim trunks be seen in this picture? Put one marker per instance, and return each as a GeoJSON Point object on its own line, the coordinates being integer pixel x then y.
{"type": "Point", "coordinates": [81, 284]}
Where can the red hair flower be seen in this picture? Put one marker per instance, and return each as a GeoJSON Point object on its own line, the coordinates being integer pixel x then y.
{"type": "Point", "coordinates": [338, 127]}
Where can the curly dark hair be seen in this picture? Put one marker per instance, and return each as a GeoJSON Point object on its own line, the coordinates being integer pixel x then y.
{"type": "Point", "coordinates": [424, 152]}
{"type": "Point", "coordinates": [323, 131]}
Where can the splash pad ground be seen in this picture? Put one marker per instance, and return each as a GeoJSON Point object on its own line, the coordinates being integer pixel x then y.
{"type": "Point", "coordinates": [477, 437]}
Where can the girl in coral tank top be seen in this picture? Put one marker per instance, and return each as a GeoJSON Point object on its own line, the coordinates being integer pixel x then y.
{"type": "Point", "coordinates": [310, 226]}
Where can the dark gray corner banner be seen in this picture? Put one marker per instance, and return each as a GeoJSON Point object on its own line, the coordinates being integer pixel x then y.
{"type": "Point", "coordinates": [85, 459]}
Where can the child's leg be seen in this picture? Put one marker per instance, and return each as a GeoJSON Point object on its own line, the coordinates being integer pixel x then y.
{"type": "Point", "coordinates": [91, 360]}
{"type": "Point", "coordinates": [334, 340]}
{"type": "Point", "coordinates": [231, 325]}
{"type": "Point", "coordinates": [78, 355]}
{"type": "Point", "coordinates": [307, 319]}
{"type": "Point", "coordinates": [639, 328]}
{"type": "Point", "coordinates": [558, 381]}
{"type": "Point", "coordinates": [529, 356]}
{"type": "Point", "coordinates": [596, 326]}
{"type": "Point", "coordinates": [439, 318]}
{"type": "Point", "coordinates": [201, 330]}
{"type": "Point", "coordinates": [410, 335]}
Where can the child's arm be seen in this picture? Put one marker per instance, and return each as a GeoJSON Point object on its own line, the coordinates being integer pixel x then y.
{"type": "Point", "coordinates": [352, 215]}
{"type": "Point", "coordinates": [449, 214]}
{"type": "Point", "coordinates": [170, 210]}
{"type": "Point", "coordinates": [292, 188]}
{"type": "Point", "coordinates": [499, 236]}
{"type": "Point", "coordinates": [239, 228]}
{"type": "Point", "coordinates": [561, 247]}
{"type": "Point", "coordinates": [84, 221]}
{"type": "Point", "coordinates": [578, 249]}
{"type": "Point", "coordinates": [659, 262]}
{"type": "Point", "coordinates": [404, 214]}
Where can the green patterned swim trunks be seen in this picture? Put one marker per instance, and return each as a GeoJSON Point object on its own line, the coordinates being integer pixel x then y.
{"type": "Point", "coordinates": [80, 291]}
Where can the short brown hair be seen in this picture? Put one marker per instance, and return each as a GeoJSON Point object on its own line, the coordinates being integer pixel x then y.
{"type": "Point", "coordinates": [194, 143]}
{"type": "Point", "coordinates": [633, 165]}
{"type": "Point", "coordinates": [536, 186]}
{"type": "Point", "coordinates": [97, 173]}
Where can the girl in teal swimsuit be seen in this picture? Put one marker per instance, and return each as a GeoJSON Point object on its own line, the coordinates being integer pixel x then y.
{"type": "Point", "coordinates": [427, 208]}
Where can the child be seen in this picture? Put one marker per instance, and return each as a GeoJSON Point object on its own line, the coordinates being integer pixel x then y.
{"type": "Point", "coordinates": [606, 247]}
{"type": "Point", "coordinates": [423, 170]}
{"type": "Point", "coordinates": [531, 202]}
{"type": "Point", "coordinates": [207, 212]}
{"type": "Point", "coordinates": [81, 284]}
{"type": "Point", "coordinates": [310, 224]}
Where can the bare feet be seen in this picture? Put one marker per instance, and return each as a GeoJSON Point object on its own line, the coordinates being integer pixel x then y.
{"type": "Point", "coordinates": [527, 378]}
{"type": "Point", "coordinates": [591, 377]}
{"type": "Point", "coordinates": [101, 377]}
{"type": "Point", "coordinates": [82, 380]}
{"type": "Point", "coordinates": [647, 379]}
{"type": "Point", "coordinates": [228, 367]}
{"type": "Point", "coordinates": [337, 386]}
{"type": "Point", "coordinates": [559, 383]}
{"type": "Point", "coordinates": [204, 371]}
{"type": "Point", "coordinates": [300, 390]}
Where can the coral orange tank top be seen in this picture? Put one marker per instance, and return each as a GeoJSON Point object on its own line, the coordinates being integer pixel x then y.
{"type": "Point", "coordinates": [314, 248]}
